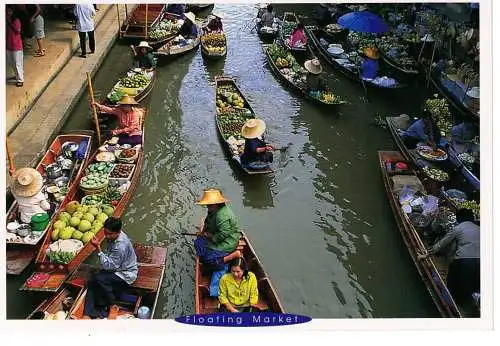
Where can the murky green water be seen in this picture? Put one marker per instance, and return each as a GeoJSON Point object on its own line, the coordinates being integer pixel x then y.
{"type": "Point", "coordinates": [321, 224]}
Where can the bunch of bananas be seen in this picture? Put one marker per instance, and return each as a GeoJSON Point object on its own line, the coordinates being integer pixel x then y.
{"type": "Point", "coordinates": [214, 42]}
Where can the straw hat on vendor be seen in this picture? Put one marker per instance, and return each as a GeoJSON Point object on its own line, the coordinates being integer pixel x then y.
{"type": "Point", "coordinates": [371, 53]}
{"type": "Point", "coordinates": [26, 182]}
{"type": "Point", "coordinates": [211, 197]}
{"type": "Point", "coordinates": [144, 44]}
{"type": "Point", "coordinates": [253, 128]}
{"type": "Point", "coordinates": [313, 66]}
{"type": "Point", "coordinates": [191, 17]}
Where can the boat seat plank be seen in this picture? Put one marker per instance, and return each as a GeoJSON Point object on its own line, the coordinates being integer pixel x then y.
{"type": "Point", "coordinates": [148, 277]}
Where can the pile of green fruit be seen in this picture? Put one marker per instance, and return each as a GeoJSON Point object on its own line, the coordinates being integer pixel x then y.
{"type": "Point", "coordinates": [441, 113]}
{"type": "Point", "coordinates": [80, 222]}
{"type": "Point", "coordinates": [472, 205]}
{"type": "Point", "coordinates": [111, 196]}
{"type": "Point", "coordinates": [101, 167]}
{"type": "Point", "coordinates": [92, 200]}
{"type": "Point", "coordinates": [94, 181]}
{"type": "Point", "coordinates": [287, 28]}
{"type": "Point", "coordinates": [231, 123]}
{"type": "Point", "coordinates": [115, 95]}
{"type": "Point", "coordinates": [60, 257]}
{"type": "Point", "coordinates": [137, 81]}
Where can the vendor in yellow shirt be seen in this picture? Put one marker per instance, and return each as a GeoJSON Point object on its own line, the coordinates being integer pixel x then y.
{"type": "Point", "coordinates": [238, 290]}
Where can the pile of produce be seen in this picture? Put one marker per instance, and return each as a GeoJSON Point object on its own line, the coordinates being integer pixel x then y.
{"type": "Point", "coordinates": [115, 95]}
{"type": "Point", "coordinates": [137, 81]}
{"type": "Point", "coordinates": [287, 64]}
{"type": "Point", "coordinates": [464, 73]}
{"type": "Point", "coordinates": [121, 171]}
{"type": "Point", "coordinates": [232, 122]}
{"type": "Point", "coordinates": [466, 158]}
{"type": "Point", "coordinates": [228, 98]}
{"type": "Point", "coordinates": [441, 113]}
{"type": "Point", "coordinates": [112, 195]}
{"type": "Point", "coordinates": [164, 29]}
{"type": "Point", "coordinates": [361, 41]}
{"type": "Point", "coordinates": [78, 222]}
{"type": "Point", "coordinates": [94, 181]}
{"type": "Point", "coordinates": [436, 174]}
{"type": "Point", "coordinates": [472, 205]}
{"type": "Point", "coordinates": [214, 42]}
{"type": "Point", "coordinates": [101, 167]}
{"type": "Point", "coordinates": [395, 49]}
{"type": "Point", "coordinates": [92, 200]}
{"type": "Point", "coordinates": [326, 96]}
{"type": "Point", "coordinates": [287, 28]}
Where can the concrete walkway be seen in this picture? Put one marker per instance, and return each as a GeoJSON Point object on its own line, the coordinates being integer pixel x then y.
{"type": "Point", "coordinates": [56, 85]}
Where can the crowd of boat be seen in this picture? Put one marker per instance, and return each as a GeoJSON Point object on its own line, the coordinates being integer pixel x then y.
{"type": "Point", "coordinates": [436, 181]}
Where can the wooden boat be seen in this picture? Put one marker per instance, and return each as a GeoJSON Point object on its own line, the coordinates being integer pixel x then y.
{"type": "Point", "coordinates": [211, 54]}
{"type": "Point", "coordinates": [156, 43]}
{"type": "Point", "coordinates": [266, 35]}
{"type": "Point", "coordinates": [290, 19]}
{"type": "Point", "coordinates": [134, 28]}
{"type": "Point", "coordinates": [300, 89]}
{"type": "Point", "coordinates": [457, 178]}
{"type": "Point", "coordinates": [268, 298]}
{"type": "Point", "coordinates": [433, 271]}
{"type": "Point", "coordinates": [170, 51]}
{"type": "Point", "coordinates": [314, 35]}
{"type": "Point", "coordinates": [143, 292]}
{"type": "Point", "coordinates": [245, 113]}
{"type": "Point", "coordinates": [59, 272]}
{"type": "Point", "coordinates": [20, 255]}
{"type": "Point", "coordinates": [451, 98]}
{"type": "Point", "coordinates": [139, 94]}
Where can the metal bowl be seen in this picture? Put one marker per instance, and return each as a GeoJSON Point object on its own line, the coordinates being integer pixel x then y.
{"type": "Point", "coordinates": [23, 230]}
{"type": "Point", "coordinates": [53, 171]}
{"type": "Point", "coordinates": [61, 181]}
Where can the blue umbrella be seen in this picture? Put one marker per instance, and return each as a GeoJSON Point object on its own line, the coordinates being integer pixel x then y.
{"type": "Point", "coordinates": [363, 21]}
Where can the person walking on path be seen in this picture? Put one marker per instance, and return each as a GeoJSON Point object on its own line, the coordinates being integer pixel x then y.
{"type": "Point", "coordinates": [85, 25]}
{"type": "Point", "coordinates": [14, 45]}
{"type": "Point", "coordinates": [37, 24]}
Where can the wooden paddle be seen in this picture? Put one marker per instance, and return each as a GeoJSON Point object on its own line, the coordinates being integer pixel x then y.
{"type": "Point", "coordinates": [94, 110]}
{"type": "Point", "coordinates": [12, 169]}
{"type": "Point", "coordinates": [190, 234]}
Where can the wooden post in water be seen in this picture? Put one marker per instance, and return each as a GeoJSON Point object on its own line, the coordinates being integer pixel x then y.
{"type": "Point", "coordinates": [96, 119]}
{"type": "Point", "coordinates": [119, 21]}
{"type": "Point", "coordinates": [146, 26]}
{"type": "Point", "coordinates": [12, 169]}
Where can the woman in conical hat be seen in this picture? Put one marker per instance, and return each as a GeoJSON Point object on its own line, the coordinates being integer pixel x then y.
{"type": "Point", "coordinates": [26, 186]}
{"type": "Point", "coordinates": [370, 66]}
{"type": "Point", "coordinates": [129, 130]}
{"type": "Point", "coordinates": [144, 58]}
{"type": "Point", "coordinates": [189, 28]}
{"type": "Point", "coordinates": [217, 241]}
{"type": "Point", "coordinates": [313, 79]}
{"type": "Point", "coordinates": [257, 152]}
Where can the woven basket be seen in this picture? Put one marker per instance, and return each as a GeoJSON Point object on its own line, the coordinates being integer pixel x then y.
{"type": "Point", "coordinates": [98, 191]}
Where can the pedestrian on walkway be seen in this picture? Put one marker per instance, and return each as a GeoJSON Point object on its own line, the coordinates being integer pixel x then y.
{"type": "Point", "coordinates": [85, 25]}
{"type": "Point", "coordinates": [14, 43]}
{"type": "Point", "coordinates": [37, 23]}
{"type": "Point", "coordinates": [23, 13]}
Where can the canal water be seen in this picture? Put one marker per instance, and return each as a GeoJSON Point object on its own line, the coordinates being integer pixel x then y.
{"type": "Point", "coordinates": [321, 223]}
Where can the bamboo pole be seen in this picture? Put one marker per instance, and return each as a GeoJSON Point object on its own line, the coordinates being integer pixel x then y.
{"type": "Point", "coordinates": [430, 64]}
{"type": "Point", "coordinates": [12, 169]}
{"type": "Point", "coordinates": [119, 21]}
{"type": "Point", "coordinates": [146, 26]}
{"type": "Point", "coordinates": [96, 119]}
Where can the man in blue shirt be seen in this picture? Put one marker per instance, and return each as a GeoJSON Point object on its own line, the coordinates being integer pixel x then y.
{"type": "Point", "coordinates": [118, 270]}
{"type": "Point", "coordinates": [422, 131]}
{"type": "Point", "coordinates": [370, 66]}
{"type": "Point", "coordinates": [257, 153]}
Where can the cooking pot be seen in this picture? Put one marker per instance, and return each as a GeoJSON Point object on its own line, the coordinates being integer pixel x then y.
{"type": "Point", "coordinates": [53, 171]}
{"type": "Point", "coordinates": [61, 181]}
{"type": "Point", "coordinates": [68, 149]}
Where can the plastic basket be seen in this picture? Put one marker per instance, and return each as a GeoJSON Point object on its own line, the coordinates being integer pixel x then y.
{"type": "Point", "coordinates": [97, 191]}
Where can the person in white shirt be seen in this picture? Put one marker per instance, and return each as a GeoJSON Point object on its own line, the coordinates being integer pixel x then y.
{"type": "Point", "coordinates": [26, 186]}
{"type": "Point", "coordinates": [85, 25]}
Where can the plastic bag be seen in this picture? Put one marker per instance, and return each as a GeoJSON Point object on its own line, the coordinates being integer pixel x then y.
{"type": "Point", "coordinates": [214, 282]}
{"type": "Point", "coordinates": [430, 206]}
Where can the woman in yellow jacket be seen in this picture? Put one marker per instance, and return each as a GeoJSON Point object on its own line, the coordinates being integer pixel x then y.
{"type": "Point", "coordinates": [238, 290]}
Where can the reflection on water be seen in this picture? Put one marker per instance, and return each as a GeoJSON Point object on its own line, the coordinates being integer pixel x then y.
{"type": "Point", "coordinates": [321, 223]}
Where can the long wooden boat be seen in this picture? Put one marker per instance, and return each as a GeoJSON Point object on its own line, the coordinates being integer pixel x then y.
{"type": "Point", "coordinates": [315, 34]}
{"type": "Point", "coordinates": [266, 35]}
{"type": "Point", "coordinates": [212, 54]}
{"type": "Point", "coordinates": [57, 273]}
{"type": "Point", "coordinates": [452, 99]}
{"type": "Point", "coordinates": [134, 28]}
{"type": "Point", "coordinates": [20, 255]}
{"type": "Point", "coordinates": [433, 271]}
{"type": "Point", "coordinates": [290, 20]}
{"type": "Point", "coordinates": [156, 43]}
{"type": "Point", "coordinates": [143, 292]}
{"type": "Point", "coordinates": [139, 94]}
{"type": "Point", "coordinates": [268, 298]}
{"type": "Point", "coordinates": [169, 51]}
{"type": "Point", "coordinates": [457, 178]}
{"type": "Point", "coordinates": [243, 114]}
{"type": "Point", "coordinates": [300, 89]}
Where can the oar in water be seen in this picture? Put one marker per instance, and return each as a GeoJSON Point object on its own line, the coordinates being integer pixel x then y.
{"type": "Point", "coordinates": [190, 234]}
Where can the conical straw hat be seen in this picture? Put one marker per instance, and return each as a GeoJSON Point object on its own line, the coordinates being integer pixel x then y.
{"type": "Point", "coordinates": [313, 66]}
{"type": "Point", "coordinates": [191, 17]}
{"type": "Point", "coordinates": [26, 182]}
{"type": "Point", "coordinates": [253, 128]}
{"type": "Point", "coordinates": [212, 196]}
{"type": "Point", "coordinates": [127, 100]}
